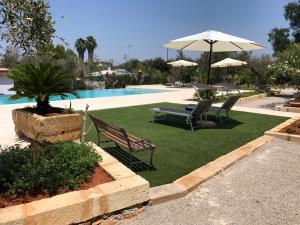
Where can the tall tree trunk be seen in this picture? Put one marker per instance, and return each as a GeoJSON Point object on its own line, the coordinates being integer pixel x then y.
{"type": "Point", "coordinates": [91, 55]}
{"type": "Point", "coordinates": [81, 56]}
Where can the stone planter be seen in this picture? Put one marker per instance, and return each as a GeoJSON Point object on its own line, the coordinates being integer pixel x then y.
{"type": "Point", "coordinates": [127, 189]}
{"type": "Point", "coordinates": [284, 108]}
{"type": "Point", "coordinates": [47, 128]}
{"type": "Point", "coordinates": [294, 104]}
{"type": "Point", "coordinates": [279, 131]}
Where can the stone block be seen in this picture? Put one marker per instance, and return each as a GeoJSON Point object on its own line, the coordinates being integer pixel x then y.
{"type": "Point", "coordinates": [47, 128]}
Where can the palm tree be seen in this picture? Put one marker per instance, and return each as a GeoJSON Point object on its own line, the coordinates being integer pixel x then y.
{"type": "Point", "coordinates": [91, 44]}
{"type": "Point", "coordinates": [80, 45]}
{"type": "Point", "coordinates": [40, 82]}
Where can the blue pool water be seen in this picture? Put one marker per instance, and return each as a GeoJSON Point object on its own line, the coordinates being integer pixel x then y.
{"type": "Point", "coordinates": [5, 99]}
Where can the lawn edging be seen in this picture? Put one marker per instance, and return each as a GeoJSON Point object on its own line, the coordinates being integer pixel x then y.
{"type": "Point", "coordinates": [189, 182]}
{"type": "Point", "coordinates": [283, 108]}
{"type": "Point", "coordinates": [276, 131]}
{"type": "Point", "coordinates": [127, 189]}
{"type": "Point", "coordinates": [250, 98]}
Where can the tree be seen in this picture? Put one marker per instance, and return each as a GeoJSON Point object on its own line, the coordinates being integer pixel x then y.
{"type": "Point", "coordinates": [132, 65]}
{"type": "Point", "coordinates": [27, 24]}
{"type": "Point", "coordinates": [67, 59]}
{"type": "Point", "coordinates": [260, 73]}
{"type": "Point", "coordinates": [11, 57]}
{"type": "Point", "coordinates": [80, 45]}
{"type": "Point", "coordinates": [288, 66]}
{"type": "Point", "coordinates": [292, 14]}
{"type": "Point", "coordinates": [91, 44]}
{"type": "Point", "coordinates": [180, 55]}
{"type": "Point", "coordinates": [279, 38]}
{"type": "Point", "coordinates": [40, 82]}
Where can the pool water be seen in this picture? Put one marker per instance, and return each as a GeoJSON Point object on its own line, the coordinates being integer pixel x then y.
{"type": "Point", "coordinates": [98, 93]}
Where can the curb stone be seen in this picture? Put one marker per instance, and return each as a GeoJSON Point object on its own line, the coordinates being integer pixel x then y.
{"type": "Point", "coordinates": [277, 131]}
{"type": "Point", "coordinates": [189, 182]}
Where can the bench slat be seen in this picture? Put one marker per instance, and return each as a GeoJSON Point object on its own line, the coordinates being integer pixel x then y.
{"type": "Point", "coordinates": [121, 137]}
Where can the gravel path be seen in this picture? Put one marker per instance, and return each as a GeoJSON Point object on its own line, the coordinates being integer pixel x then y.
{"type": "Point", "coordinates": [268, 102]}
{"type": "Point", "coordinates": [261, 189]}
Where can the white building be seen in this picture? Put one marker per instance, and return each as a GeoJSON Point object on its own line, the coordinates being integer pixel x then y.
{"type": "Point", "coordinates": [120, 72]}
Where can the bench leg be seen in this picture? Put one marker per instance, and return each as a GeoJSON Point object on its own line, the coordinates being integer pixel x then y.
{"type": "Point", "coordinates": [156, 114]}
{"type": "Point", "coordinates": [151, 157]}
{"type": "Point", "coordinates": [130, 158]}
{"type": "Point", "coordinates": [190, 122]}
{"type": "Point", "coordinates": [227, 115]}
{"type": "Point", "coordinates": [98, 136]}
{"type": "Point", "coordinates": [218, 116]}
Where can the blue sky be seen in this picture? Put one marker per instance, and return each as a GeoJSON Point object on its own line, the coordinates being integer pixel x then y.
{"type": "Point", "coordinates": [148, 24]}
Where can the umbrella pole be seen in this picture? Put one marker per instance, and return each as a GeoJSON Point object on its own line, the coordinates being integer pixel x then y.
{"type": "Point", "coordinates": [209, 63]}
{"type": "Point", "coordinates": [167, 54]}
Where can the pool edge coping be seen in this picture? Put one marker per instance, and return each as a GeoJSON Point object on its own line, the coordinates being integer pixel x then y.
{"type": "Point", "coordinates": [158, 91]}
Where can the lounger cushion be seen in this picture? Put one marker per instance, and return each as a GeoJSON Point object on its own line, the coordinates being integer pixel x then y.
{"type": "Point", "coordinates": [178, 112]}
{"type": "Point", "coordinates": [214, 108]}
{"type": "Point", "coordinates": [190, 107]}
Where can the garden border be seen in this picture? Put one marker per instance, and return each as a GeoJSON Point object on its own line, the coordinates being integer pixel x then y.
{"type": "Point", "coordinates": [250, 98]}
{"type": "Point", "coordinates": [283, 108]}
{"type": "Point", "coordinates": [189, 182]}
{"type": "Point", "coordinates": [128, 189]}
{"type": "Point", "coordinates": [276, 131]}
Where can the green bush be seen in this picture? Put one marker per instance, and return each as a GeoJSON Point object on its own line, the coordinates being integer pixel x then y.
{"type": "Point", "coordinates": [45, 169]}
{"type": "Point", "coordinates": [206, 94]}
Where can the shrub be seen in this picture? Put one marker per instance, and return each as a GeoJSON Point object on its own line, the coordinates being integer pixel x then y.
{"type": "Point", "coordinates": [45, 169]}
{"type": "Point", "coordinates": [206, 94]}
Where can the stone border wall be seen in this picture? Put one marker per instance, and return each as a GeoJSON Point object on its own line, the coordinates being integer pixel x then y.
{"type": "Point", "coordinates": [250, 98]}
{"type": "Point", "coordinates": [276, 131]}
{"type": "Point", "coordinates": [128, 189]}
{"type": "Point", "coordinates": [283, 108]}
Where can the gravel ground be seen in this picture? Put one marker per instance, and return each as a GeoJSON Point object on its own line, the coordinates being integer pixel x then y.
{"type": "Point", "coordinates": [261, 189]}
{"type": "Point", "coordinates": [268, 102]}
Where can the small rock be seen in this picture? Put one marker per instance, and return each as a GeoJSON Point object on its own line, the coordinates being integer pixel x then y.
{"type": "Point", "coordinates": [206, 123]}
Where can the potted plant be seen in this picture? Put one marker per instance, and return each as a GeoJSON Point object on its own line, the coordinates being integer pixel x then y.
{"type": "Point", "coordinates": [43, 122]}
{"type": "Point", "coordinates": [295, 102]}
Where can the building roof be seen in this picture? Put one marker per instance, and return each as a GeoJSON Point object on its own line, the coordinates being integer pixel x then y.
{"type": "Point", "coordinates": [3, 71]}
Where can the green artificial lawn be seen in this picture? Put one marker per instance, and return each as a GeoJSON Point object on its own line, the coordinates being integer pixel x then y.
{"type": "Point", "coordinates": [179, 150]}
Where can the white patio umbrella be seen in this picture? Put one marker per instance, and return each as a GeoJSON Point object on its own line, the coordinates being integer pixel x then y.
{"type": "Point", "coordinates": [182, 63]}
{"type": "Point", "coordinates": [228, 62]}
{"type": "Point", "coordinates": [212, 41]}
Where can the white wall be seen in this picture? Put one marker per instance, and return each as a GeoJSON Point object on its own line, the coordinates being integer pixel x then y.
{"type": "Point", "coordinates": [5, 84]}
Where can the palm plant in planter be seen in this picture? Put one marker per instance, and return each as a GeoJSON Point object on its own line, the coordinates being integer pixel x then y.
{"type": "Point", "coordinates": [40, 82]}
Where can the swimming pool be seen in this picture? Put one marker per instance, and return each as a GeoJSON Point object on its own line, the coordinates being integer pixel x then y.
{"type": "Point", "coordinates": [98, 93]}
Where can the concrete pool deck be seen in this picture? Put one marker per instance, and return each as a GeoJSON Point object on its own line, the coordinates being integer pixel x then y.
{"type": "Point", "coordinates": [177, 95]}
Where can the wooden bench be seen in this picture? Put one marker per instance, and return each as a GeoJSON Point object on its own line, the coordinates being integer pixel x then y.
{"type": "Point", "coordinates": [123, 139]}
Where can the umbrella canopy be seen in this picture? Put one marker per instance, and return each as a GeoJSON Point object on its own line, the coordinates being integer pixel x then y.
{"type": "Point", "coordinates": [228, 62]}
{"type": "Point", "coordinates": [213, 41]}
{"type": "Point", "coordinates": [182, 63]}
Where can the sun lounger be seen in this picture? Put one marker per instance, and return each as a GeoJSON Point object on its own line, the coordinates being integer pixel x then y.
{"type": "Point", "coordinates": [191, 116]}
{"type": "Point", "coordinates": [227, 105]}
